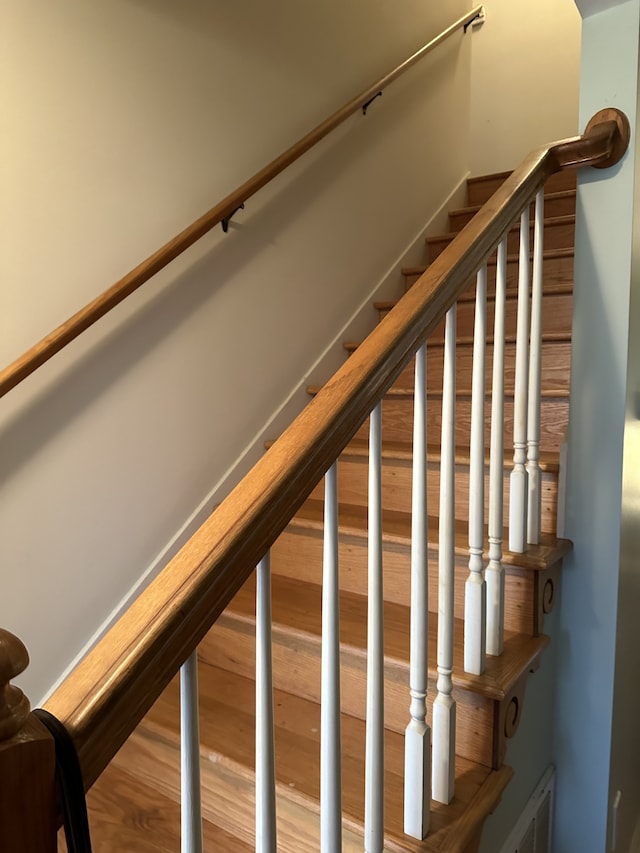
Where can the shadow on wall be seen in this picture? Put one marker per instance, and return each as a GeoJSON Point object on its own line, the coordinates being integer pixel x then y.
{"type": "Point", "coordinates": [214, 264]}
{"type": "Point", "coordinates": [298, 31]}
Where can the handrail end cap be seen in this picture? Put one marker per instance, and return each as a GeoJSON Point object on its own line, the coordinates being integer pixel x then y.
{"type": "Point", "coordinates": [620, 141]}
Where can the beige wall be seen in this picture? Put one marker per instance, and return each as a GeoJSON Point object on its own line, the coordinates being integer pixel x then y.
{"type": "Point", "coordinates": [525, 80]}
{"type": "Point", "coordinates": [121, 122]}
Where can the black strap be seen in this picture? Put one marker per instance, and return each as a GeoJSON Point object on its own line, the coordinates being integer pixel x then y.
{"type": "Point", "coordinates": [70, 785]}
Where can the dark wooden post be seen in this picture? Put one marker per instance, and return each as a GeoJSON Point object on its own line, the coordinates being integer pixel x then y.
{"type": "Point", "coordinates": [27, 763]}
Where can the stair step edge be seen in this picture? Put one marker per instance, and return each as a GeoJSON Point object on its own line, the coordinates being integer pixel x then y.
{"type": "Point", "coordinates": [501, 675]}
{"type": "Point", "coordinates": [468, 340]}
{"type": "Point", "coordinates": [397, 531]}
{"type": "Point", "coordinates": [547, 196]}
{"type": "Point", "coordinates": [512, 258]}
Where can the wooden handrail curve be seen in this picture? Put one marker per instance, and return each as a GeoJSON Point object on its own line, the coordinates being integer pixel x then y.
{"type": "Point", "coordinates": [108, 693]}
{"type": "Point", "coordinates": [83, 319]}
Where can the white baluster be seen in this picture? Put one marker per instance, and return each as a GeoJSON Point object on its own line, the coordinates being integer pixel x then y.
{"type": "Point", "coordinates": [518, 481]}
{"type": "Point", "coordinates": [330, 773]}
{"type": "Point", "coordinates": [494, 573]}
{"type": "Point", "coordinates": [190, 804]}
{"type": "Point", "coordinates": [417, 736]}
{"type": "Point", "coordinates": [444, 706]}
{"type": "Point", "coordinates": [475, 593]}
{"type": "Point", "coordinates": [265, 746]}
{"type": "Point", "coordinates": [535, 369]}
{"type": "Point", "coordinates": [374, 773]}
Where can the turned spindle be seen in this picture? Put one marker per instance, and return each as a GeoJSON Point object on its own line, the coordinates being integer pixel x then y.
{"type": "Point", "coordinates": [14, 705]}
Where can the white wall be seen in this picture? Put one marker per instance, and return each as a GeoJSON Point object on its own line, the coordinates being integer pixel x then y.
{"type": "Point", "coordinates": [121, 123]}
{"type": "Point", "coordinates": [586, 641]}
{"type": "Point", "coordinates": [525, 80]}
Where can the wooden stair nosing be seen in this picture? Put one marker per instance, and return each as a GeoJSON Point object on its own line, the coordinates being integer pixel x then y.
{"type": "Point", "coordinates": [461, 393]}
{"type": "Point", "coordinates": [512, 258]}
{"type": "Point", "coordinates": [297, 614]}
{"type": "Point", "coordinates": [396, 530]}
{"type": "Point", "coordinates": [549, 222]}
{"type": "Point", "coordinates": [480, 188]}
{"type": "Point", "coordinates": [465, 393]}
{"type": "Point", "coordinates": [548, 196]}
{"type": "Point", "coordinates": [470, 296]}
{"type": "Point", "coordinates": [403, 450]}
{"type": "Point", "coordinates": [468, 341]}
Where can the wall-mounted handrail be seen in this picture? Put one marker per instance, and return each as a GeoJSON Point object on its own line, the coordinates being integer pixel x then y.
{"type": "Point", "coordinates": [107, 694]}
{"type": "Point", "coordinates": [66, 332]}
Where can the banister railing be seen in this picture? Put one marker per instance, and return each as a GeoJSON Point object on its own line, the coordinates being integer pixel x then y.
{"type": "Point", "coordinates": [106, 695]}
{"type": "Point", "coordinates": [83, 319]}
{"type": "Point", "coordinates": [109, 691]}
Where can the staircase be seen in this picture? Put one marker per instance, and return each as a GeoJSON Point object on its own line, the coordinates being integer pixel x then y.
{"type": "Point", "coordinates": [134, 806]}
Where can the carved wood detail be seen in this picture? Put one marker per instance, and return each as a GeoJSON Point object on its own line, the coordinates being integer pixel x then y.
{"type": "Point", "coordinates": [546, 593]}
{"type": "Point", "coordinates": [508, 713]}
{"type": "Point", "coordinates": [14, 705]}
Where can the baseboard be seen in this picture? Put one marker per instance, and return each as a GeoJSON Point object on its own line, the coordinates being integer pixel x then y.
{"type": "Point", "coordinates": [357, 326]}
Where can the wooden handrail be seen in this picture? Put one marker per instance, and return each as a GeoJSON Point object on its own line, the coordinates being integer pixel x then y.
{"type": "Point", "coordinates": [66, 332]}
{"type": "Point", "coordinates": [107, 694]}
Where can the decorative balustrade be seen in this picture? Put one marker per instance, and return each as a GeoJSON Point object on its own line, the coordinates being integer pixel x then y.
{"type": "Point", "coordinates": [534, 497]}
{"type": "Point", "coordinates": [107, 694]}
{"type": "Point", "coordinates": [495, 570]}
{"type": "Point", "coordinates": [417, 736]}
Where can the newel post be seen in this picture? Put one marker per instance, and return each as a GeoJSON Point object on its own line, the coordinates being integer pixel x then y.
{"type": "Point", "coordinates": [27, 763]}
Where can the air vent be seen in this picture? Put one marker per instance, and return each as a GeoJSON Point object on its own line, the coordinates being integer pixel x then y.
{"type": "Point", "coordinates": [532, 833]}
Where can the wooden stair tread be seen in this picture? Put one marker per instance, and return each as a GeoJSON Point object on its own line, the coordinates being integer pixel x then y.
{"type": "Point", "coordinates": [568, 176]}
{"type": "Point", "coordinates": [464, 393]}
{"type": "Point", "coordinates": [569, 219]}
{"type": "Point", "coordinates": [403, 450]}
{"type": "Point", "coordinates": [467, 341]}
{"type": "Point", "coordinates": [227, 737]}
{"type": "Point", "coordinates": [512, 258]}
{"type": "Point", "coordinates": [396, 529]}
{"type": "Point", "coordinates": [461, 393]}
{"type": "Point", "coordinates": [470, 295]}
{"type": "Point", "coordinates": [474, 208]}
{"type": "Point", "coordinates": [558, 181]}
{"type": "Point", "coordinates": [297, 613]}
{"type": "Point", "coordinates": [120, 805]}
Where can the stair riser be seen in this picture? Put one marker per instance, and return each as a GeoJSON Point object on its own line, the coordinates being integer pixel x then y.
{"type": "Point", "coordinates": [557, 235]}
{"type": "Point", "coordinates": [397, 421]}
{"type": "Point", "coordinates": [480, 190]}
{"type": "Point", "coordinates": [230, 645]}
{"type": "Point", "coordinates": [298, 555]}
{"type": "Point", "coordinates": [396, 490]}
{"type": "Point", "coordinates": [555, 367]}
{"type": "Point", "coordinates": [560, 205]}
{"type": "Point", "coordinates": [557, 308]}
{"type": "Point", "coordinates": [558, 273]}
